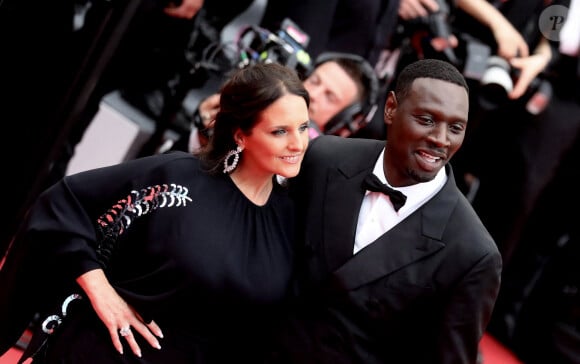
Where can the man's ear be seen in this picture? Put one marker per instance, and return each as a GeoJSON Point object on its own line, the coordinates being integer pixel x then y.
{"type": "Point", "coordinates": [390, 107]}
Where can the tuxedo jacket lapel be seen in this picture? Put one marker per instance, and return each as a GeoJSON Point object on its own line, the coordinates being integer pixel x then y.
{"type": "Point", "coordinates": [341, 215]}
{"type": "Point", "coordinates": [390, 252]}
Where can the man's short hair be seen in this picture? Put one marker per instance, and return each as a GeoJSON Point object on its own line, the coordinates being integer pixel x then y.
{"type": "Point", "coordinates": [427, 68]}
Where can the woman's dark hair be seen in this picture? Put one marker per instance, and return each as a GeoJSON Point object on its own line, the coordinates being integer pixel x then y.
{"type": "Point", "coordinates": [427, 68]}
{"type": "Point", "coordinates": [244, 96]}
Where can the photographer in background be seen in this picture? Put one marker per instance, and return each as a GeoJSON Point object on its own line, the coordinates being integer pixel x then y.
{"type": "Point", "coordinates": [501, 37]}
{"type": "Point", "coordinates": [54, 70]}
{"type": "Point", "coordinates": [530, 149]}
{"type": "Point", "coordinates": [533, 137]}
{"type": "Point", "coordinates": [349, 26]}
{"type": "Point", "coordinates": [153, 46]}
{"type": "Point", "coordinates": [342, 89]}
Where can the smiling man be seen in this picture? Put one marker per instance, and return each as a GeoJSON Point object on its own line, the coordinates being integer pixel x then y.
{"type": "Point", "coordinates": [384, 283]}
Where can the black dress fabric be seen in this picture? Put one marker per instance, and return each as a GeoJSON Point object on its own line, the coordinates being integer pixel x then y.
{"type": "Point", "coordinates": [190, 251]}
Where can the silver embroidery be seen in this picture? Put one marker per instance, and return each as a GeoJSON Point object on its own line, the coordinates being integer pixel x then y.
{"type": "Point", "coordinates": [119, 217]}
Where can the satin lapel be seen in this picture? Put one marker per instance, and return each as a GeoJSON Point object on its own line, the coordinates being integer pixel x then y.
{"type": "Point", "coordinates": [341, 216]}
{"type": "Point", "coordinates": [388, 254]}
{"type": "Point", "coordinates": [414, 238]}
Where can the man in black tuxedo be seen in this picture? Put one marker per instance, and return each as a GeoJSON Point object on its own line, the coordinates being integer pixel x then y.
{"type": "Point", "coordinates": [379, 283]}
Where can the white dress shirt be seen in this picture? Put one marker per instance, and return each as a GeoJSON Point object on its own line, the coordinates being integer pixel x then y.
{"type": "Point", "coordinates": [377, 215]}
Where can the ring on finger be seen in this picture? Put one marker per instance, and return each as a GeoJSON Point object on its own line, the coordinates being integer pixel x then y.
{"type": "Point", "coordinates": [125, 331]}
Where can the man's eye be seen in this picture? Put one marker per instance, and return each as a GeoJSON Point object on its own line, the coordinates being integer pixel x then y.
{"type": "Point", "coordinates": [427, 120]}
{"type": "Point", "coordinates": [457, 128]}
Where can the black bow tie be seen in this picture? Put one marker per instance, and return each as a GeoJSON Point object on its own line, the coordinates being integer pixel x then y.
{"type": "Point", "coordinates": [374, 184]}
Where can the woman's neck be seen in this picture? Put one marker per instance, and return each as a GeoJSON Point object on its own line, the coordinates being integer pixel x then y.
{"type": "Point", "coordinates": [257, 188]}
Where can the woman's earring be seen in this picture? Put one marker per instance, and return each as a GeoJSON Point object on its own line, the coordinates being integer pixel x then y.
{"type": "Point", "coordinates": [235, 153]}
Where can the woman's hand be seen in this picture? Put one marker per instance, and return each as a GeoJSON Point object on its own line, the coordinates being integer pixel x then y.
{"type": "Point", "coordinates": [120, 319]}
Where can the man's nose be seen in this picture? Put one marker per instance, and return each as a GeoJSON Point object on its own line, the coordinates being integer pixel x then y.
{"type": "Point", "coordinates": [439, 135]}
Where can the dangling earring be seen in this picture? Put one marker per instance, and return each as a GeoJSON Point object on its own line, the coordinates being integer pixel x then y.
{"type": "Point", "coordinates": [232, 153]}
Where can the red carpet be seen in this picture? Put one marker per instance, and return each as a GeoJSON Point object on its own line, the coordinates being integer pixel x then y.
{"type": "Point", "coordinates": [493, 353]}
{"type": "Point", "coordinates": [11, 357]}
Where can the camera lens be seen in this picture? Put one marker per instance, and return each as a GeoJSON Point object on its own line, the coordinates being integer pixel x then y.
{"type": "Point", "coordinates": [496, 82]}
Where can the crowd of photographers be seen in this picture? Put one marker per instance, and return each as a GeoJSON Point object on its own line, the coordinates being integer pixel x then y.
{"type": "Point", "coordinates": [519, 161]}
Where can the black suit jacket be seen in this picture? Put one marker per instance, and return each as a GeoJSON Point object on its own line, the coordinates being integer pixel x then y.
{"type": "Point", "coordinates": [421, 293]}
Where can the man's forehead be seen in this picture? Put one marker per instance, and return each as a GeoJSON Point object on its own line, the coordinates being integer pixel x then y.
{"type": "Point", "coordinates": [337, 79]}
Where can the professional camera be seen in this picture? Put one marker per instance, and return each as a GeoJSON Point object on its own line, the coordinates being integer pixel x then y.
{"type": "Point", "coordinates": [497, 78]}
{"type": "Point", "coordinates": [286, 46]}
{"type": "Point", "coordinates": [418, 32]}
{"type": "Point", "coordinates": [207, 61]}
{"type": "Point", "coordinates": [493, 76]}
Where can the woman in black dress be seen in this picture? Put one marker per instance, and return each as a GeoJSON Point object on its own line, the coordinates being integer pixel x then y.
{"type": "Point", "coordinates": [178, 258]}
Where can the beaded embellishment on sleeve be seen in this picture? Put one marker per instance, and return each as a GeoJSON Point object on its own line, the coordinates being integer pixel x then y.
{"type": "Point", "coordinates": [110, 225]}
{"type": "Point", "coordinates": [117, 219]}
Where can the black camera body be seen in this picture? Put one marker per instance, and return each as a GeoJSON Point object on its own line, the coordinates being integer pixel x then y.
{"type": "Point", "coordinates": [492, 75]}
{"type": "Point", "coordinates": [286, 47]}
{"type": "Point", "coordinates": [496, 79]}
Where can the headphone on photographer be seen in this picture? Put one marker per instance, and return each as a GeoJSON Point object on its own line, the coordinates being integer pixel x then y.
{"type": "Point", "coordinates": [358, 114]}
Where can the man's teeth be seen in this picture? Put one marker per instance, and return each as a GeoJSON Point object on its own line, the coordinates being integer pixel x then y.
{"type": "Point", "coordinates": [430, 158]}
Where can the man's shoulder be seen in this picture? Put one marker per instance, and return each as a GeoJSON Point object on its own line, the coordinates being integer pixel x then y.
{"type": "Point", "coordinates": [331, 145]}
{"type": "Point", "coordinates": [469, 227]}
{"type": "Point", "coordinates": [330, 151]}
